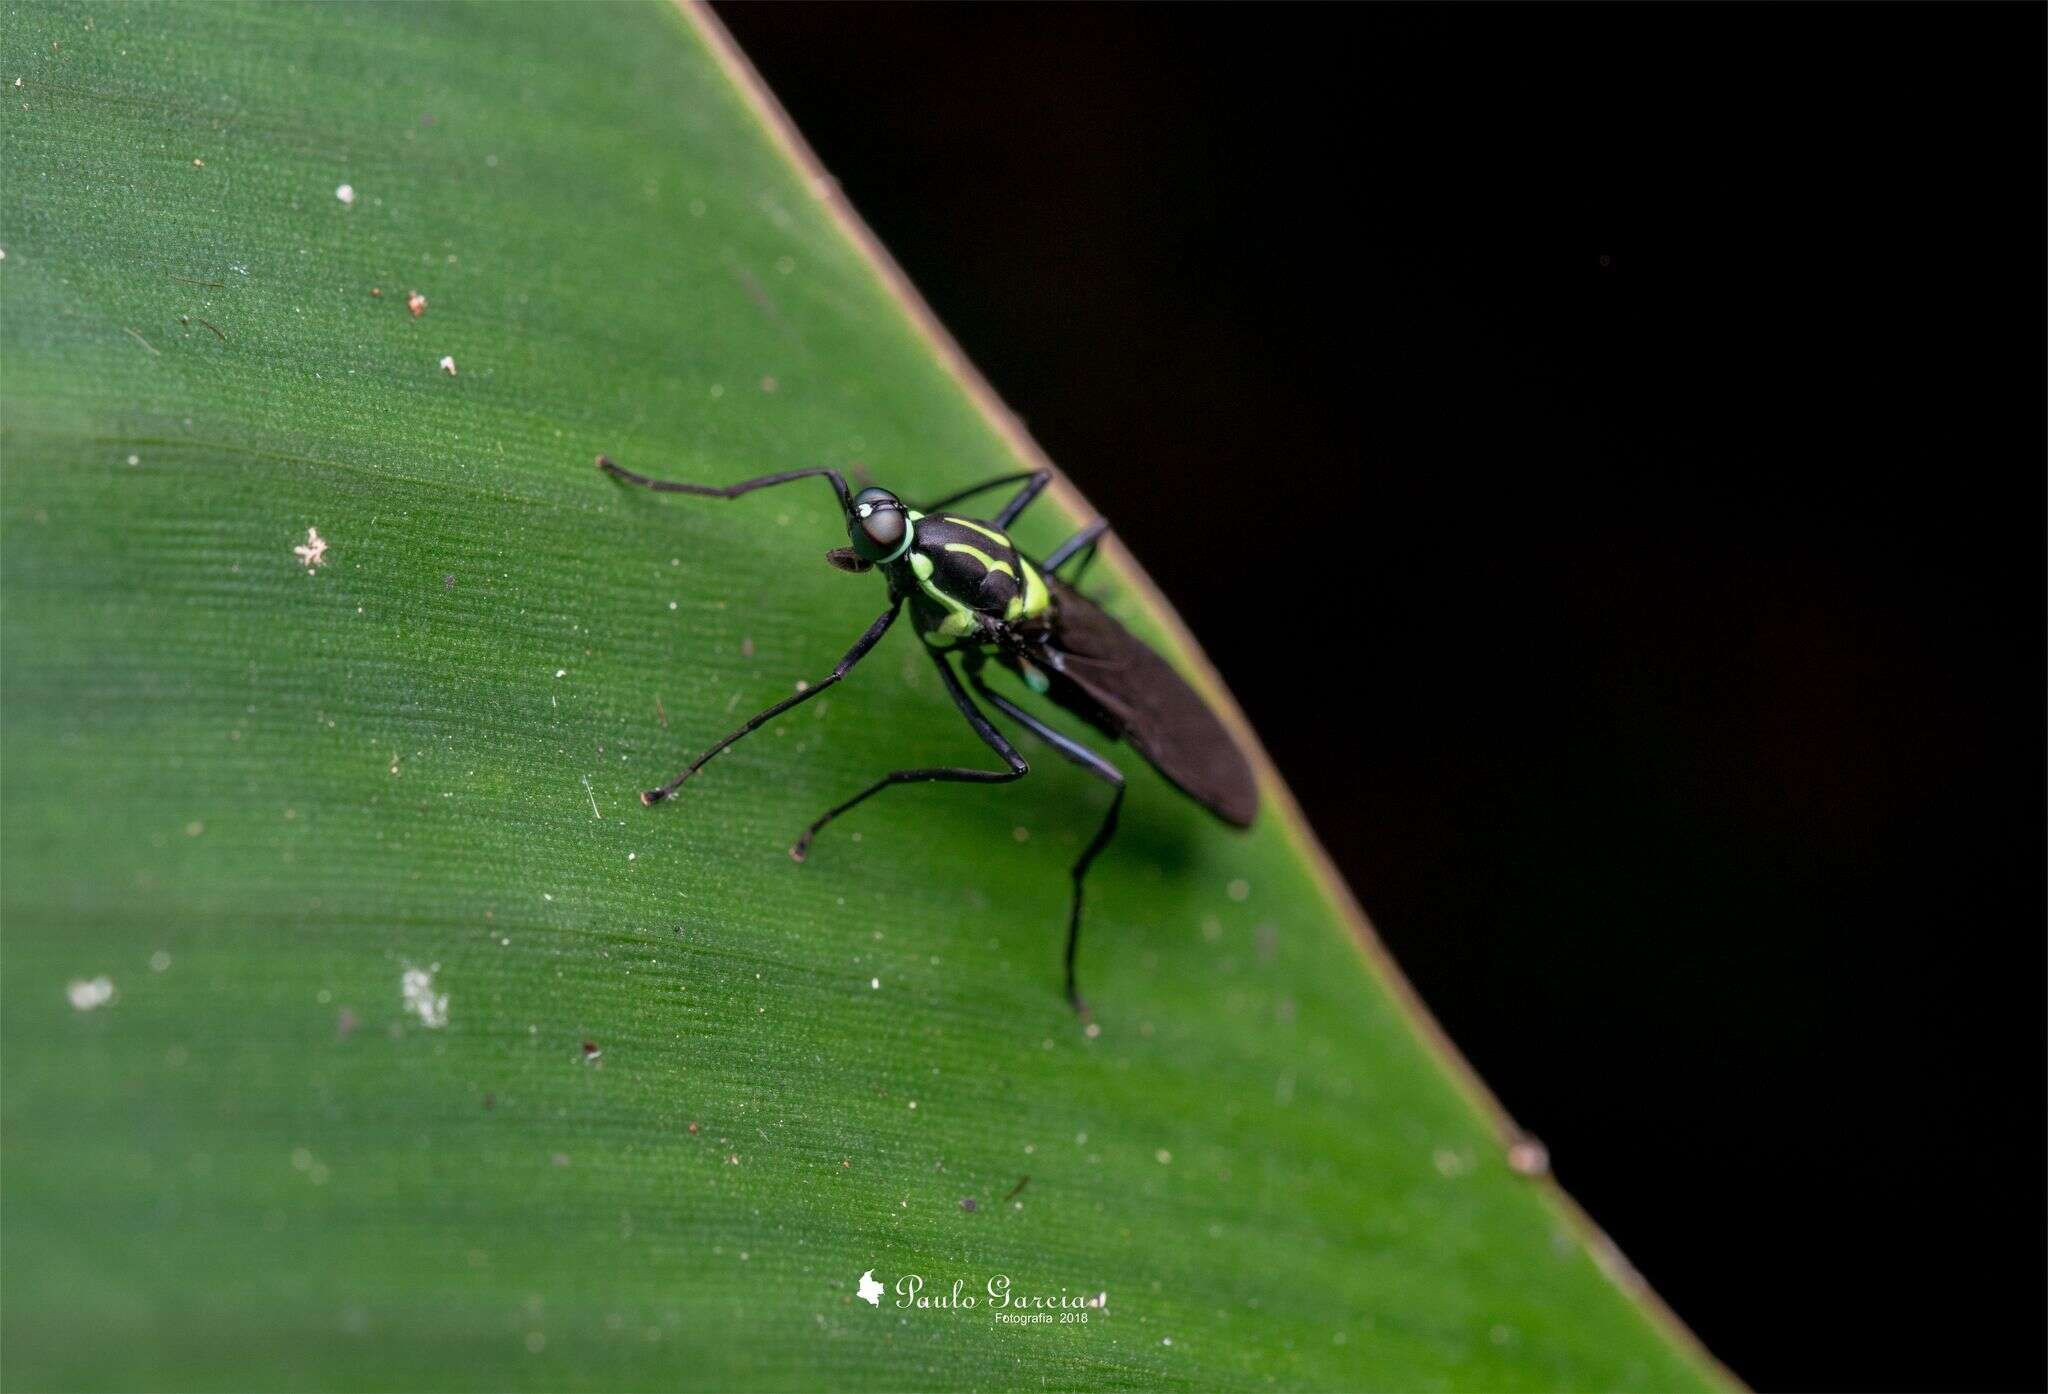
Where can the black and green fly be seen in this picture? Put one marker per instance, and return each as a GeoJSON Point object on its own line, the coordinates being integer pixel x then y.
{"type": "Point", "coordinates": [973, 594]}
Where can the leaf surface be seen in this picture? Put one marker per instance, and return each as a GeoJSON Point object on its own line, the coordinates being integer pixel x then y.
{"type": "Point", "coordinates": [435, 1060]}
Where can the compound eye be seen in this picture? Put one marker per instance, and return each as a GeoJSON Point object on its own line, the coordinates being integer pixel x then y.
{"type": "Point", "coordinates": [876, 524]}
{"type": "Point", "coordinates": [884, 528]}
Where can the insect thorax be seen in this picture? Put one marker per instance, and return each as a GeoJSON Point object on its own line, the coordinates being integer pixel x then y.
{"type": "Point", "coordinates": [961, 568]}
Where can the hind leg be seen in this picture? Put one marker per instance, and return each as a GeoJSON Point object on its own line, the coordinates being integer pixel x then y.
{"type": "Point", "coordinates": [1101, 769]}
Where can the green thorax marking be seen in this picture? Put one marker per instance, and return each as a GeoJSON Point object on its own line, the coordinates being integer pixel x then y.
{"type": "Point", "coordinates": [966, 569]}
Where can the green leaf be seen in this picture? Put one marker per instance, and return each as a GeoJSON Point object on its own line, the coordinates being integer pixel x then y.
{"type": "Point", "coordinates": [252, 795]}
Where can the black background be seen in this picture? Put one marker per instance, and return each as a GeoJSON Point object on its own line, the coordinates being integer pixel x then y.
{"type": "Point", "coordinates": [1602, 448]}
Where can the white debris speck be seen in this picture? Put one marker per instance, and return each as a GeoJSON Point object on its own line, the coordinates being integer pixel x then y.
{"type": "Point", "coordinates": [416, 302]}
{"type": "Point", "coordinates": [875, 983]}
{"type": "Point", "coordinates": [417, 987]}
{"type": "Point", "coordinates": [1092, 1030]}
{"type": "Point", "coordinates": [1164, 1156]}
{"type": "Point", "coordinates": [1166, 1340]}
{"type": "Point", "coordinates": [134, 460]}
{"type": "Point", "coordinates": [159, 961]}
{"type": "Point", "coordinates": [561, 672]}
{"type": "Point", "coordinates": [347, 194]}
{"type": "Point", "coordinates": [913, 1103]}
{"type": "Point", "coordinates": [313, 551]}
{"type": "Point", "coordinates": [1527, 1156]}
{"type": "Point", "coordinates": [1099, 1300]}
{"type": "Point", "coordinates": [448, 364]}
{"type": "Point", "coordinates": [88, 993]}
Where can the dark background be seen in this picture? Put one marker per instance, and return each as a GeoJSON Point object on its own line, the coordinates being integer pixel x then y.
{"type": "Point", "coordinates": [1603, 450]}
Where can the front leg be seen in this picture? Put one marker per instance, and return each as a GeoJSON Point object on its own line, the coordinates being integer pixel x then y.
{"type": "Point", "coordinates": [725, 491]}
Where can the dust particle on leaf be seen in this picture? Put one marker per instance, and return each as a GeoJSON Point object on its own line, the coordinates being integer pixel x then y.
{"type": "Point", "coordinates": [1527, 1156]}
{"type": "Point", "coordinates": [86, 994]}
{"type": "Point", "coordinates": [416, 990]}
{"type": "Point", "coordinates": [313, 551]}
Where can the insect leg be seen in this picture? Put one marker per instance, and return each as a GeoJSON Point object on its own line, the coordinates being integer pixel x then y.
{"type": "Point", "coordinates": [1082, 541]}
{"type": "Point", "coordinates": [844, 666]}
{"type": "Point", "coordinates": [971, 490]}
{"type": "Point", "coordinates": [724, 491]}
{"type": "Point", "coordinates": [1018, 765]}
{"type": "Point", "coordinates": [1095, 765]}
{"type": "Point", "coordinates": [1023, 498]}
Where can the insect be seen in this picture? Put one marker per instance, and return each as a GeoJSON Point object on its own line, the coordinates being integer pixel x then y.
{"type": "Point", "coordinates": [973, 596]}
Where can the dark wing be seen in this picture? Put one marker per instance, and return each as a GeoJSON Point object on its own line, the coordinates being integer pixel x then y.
{"type": "Point", "coordinates": [1150, 705]}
